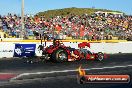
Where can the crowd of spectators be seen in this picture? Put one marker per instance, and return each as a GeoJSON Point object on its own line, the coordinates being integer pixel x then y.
{"type": "Point", "coordinates": [91, 27]}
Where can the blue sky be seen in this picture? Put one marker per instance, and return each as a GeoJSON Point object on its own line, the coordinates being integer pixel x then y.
{"type": "Point", "coordinates": [34, 6]}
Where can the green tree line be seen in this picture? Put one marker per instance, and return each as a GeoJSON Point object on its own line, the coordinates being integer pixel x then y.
{"type": "Point", "coordinates": [68, 11]}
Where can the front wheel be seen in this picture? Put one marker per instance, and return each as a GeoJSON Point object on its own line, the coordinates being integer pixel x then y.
{"type": "Point", "coordinates": [100, 56]}
{"type": "Point", "coordinates": [60, 55]}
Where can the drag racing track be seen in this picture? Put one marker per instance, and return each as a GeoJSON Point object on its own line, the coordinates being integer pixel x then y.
{"type": "Point", "coordinates": [63, 75]}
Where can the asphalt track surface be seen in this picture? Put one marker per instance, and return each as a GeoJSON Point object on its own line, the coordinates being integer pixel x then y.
{"type": "Point", "coordinates": [65, 79]}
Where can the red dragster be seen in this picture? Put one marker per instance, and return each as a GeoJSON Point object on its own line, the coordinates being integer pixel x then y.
{"type": "Point", "coordinates": [58, 52]}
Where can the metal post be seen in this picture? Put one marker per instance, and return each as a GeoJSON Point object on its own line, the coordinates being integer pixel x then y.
{"type": "Point", "coordinates": [22, 20]}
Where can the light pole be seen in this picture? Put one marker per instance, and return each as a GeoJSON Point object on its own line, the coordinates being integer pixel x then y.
{"type": "Point", "coordinates": [22, 20]}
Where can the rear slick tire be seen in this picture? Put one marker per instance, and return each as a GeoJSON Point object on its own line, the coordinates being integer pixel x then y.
{"type": "Point", "coordinates": [60, 55]}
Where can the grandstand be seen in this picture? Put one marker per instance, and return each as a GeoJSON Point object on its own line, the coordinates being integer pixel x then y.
{"type": "Point", "coordinates": [116, 14]}
{"type": "Point", "coordinates": [101, 25]}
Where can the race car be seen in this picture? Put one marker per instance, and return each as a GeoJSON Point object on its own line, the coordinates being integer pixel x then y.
{"type": "Point", "coordinates": [58, 52]}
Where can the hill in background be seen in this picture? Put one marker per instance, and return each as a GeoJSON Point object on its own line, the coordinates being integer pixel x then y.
{"type": "Point", "coordinates": [68, 11]}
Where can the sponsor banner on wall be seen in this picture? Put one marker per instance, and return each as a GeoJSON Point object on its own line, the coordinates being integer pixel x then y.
{"type": "Point", "coordinates": [24, 50]}
{"type": "Point", "coordinates": [6, 50]}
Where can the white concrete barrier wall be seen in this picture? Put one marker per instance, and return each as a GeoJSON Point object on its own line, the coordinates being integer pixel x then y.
{"type": "Point", "coordinates": [7, 48]}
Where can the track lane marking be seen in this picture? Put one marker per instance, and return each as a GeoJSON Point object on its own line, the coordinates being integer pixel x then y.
{"type": "Point", "coordinates": [38, 73]}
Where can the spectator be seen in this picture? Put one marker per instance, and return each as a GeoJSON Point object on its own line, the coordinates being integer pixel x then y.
{"type": "Point", "coordinates": [94, 27]}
